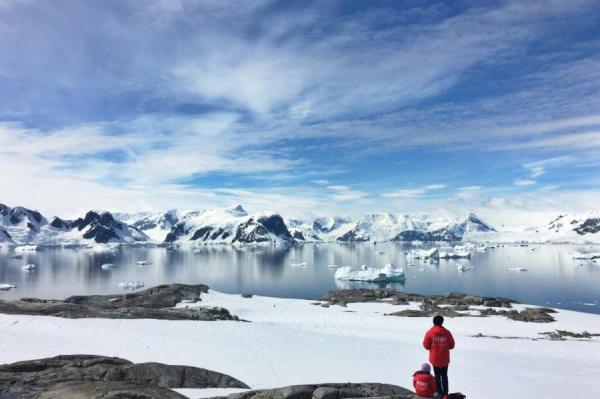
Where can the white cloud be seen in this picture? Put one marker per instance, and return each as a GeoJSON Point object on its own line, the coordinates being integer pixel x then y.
{"type": "Point", "coordinates": [413, 192]}
{"type": "Point", "coordinates": [524, 182]}
{"type": "Point", "coordinates": [320, 182]}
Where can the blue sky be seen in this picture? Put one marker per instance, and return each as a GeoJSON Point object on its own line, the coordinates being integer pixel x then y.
{"type": "Point", "coordinates": [298, 106]}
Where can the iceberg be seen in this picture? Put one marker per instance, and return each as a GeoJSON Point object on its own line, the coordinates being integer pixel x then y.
{"type": "Point", "coordinates": [29, 267]}
{"type": "Point", "coordinates": [143, 263]}
{"type": "Point", "coordinates": [107, 266]}
{"type": "Point", "coordinates": [26, 248]}
{"type": "Point", "coordinates": [463, 268]}
{"type": "Point", "coordinates": [424, 254]}
{"type": "Point", "coordinates": [301, 264]}
{"type": "Point", "coordinates": [7, 287]}
{"type": "Point", "coordinates": [389, 273]}
{"type": "Point", "coordinates": [516, 269]}
{"type": "Point", "coordinates": [457, 254]}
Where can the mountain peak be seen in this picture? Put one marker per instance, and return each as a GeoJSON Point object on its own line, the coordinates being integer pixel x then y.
{"type": "Point", "coordinates": [238, 210]}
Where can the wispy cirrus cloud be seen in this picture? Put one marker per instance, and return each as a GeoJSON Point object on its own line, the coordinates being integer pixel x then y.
{"type": "Point", "coordinates": [414, 192]}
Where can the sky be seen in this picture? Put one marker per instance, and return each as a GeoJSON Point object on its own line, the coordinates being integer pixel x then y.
{"type": "Point", "coordinates": [302, 107]}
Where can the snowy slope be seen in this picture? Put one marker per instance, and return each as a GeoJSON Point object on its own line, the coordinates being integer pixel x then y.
{"type": "Point", "coordinates": [564, 228]}
{"type": "Point", "coordinates": [157, 226]}
{"type": "Point", "coordinates": [299, 343]}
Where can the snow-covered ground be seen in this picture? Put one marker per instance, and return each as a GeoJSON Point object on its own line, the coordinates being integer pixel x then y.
{"type": "Point", "coordinates": [291, 342]}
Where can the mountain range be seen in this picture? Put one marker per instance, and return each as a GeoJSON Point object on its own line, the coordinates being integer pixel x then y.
{"type": "Point", "coordinates": [234, 225]}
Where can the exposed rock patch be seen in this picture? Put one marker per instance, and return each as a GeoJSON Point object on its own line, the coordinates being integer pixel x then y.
{"type": "Point", "coordinates": [450, 305]}
{"type": "Point", "coordinates": [328, 391]}
{"type": "Point", "coordinates": [153, 303]}
{"type": "Point", "coordinates": [90, 376]}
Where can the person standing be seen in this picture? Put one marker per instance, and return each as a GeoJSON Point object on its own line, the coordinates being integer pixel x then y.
{"type": "Point", "coordinates": [439, 341]}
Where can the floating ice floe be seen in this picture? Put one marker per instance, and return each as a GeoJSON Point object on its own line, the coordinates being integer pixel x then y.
{"type": "Point", "coordinates": [589, 255]}
{"type": "Point", "coordinates": [423, 254]}
{"type": "Point", "coordinates": [26, 248]}
{"type": "Point", "coordinates": [301, 264]}
{"type": "Point", "coordinates": [333, 266]}
{"type": "Point", "coordinates": [16, 257]}
{"type": "Point", "coordinates": [7, 287]}
{"type": "Point", "coordinates": [131, 284]}
{"type": "Point", "coordinates": [107, 266]}
{"type": "Point", "coordinates": [457, 254]}
{"type": "Point", "coordinates": [143, 263]}
{"type": "Point", "coordinates": [463, 268]}
{"type": "Point", "coordinates": [389, 273]}
{"type": "Point", "coordinates": [516, 269]}
{"type": "Point", "coordinates": [29, 267]}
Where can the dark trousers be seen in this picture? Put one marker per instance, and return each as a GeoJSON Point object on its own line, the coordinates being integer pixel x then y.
{"type": "Point", "coordinates": [441, 379]}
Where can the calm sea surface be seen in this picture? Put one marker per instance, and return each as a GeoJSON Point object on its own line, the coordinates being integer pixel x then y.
{"type": "Point", "coordinates": [553, 277]}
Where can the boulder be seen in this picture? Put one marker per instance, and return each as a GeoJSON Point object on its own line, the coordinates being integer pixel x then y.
{"type": "Point", "coordinates": [91, 376]}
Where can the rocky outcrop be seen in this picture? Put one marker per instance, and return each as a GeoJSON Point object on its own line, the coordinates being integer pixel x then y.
{"type": "Point", "coordinates": [354, 235]}
{"type": "Point", "coordinates": [262, 229]}
{"type": "Point", "coordinates": [450, 305]}
{"type": "Point", "coordinates": [90, 377]}
{"type": "Point", "coordinates": [328, 391]}
{"type": "Point", "coordinates": [589, 226]}
{"type": "Point", "coordinates": [153, 303]}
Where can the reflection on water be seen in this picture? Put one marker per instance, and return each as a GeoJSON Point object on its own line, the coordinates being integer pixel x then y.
{"type": "Point", "coordinates": [553, 277]}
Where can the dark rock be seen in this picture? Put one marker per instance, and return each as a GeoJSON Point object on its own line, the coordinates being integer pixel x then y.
{"type": "Point", "coordinates": [257, 230]}
{"type": "Point", "coordinates": [177, 231]}
{"type": "Point", "coordinates": [590, 226]}
{"type": "Point", "coordinates": [202, 233]}
{"type": "Point", "coordinates": [329, 391]}
{"type": "Point", "coordinates": [531, 315]}
{"type": "Point", "coordinates": [352, 236]}
{"type": "Point", "coordinates": [245, 295]}
{"type": "Point", "coordinates": [298, 235]}
{"type": "Point", "coordinates": [153, 303]}
{"type": "Point", "coordinates": [61, 224]}
{"type": "Point", "coordinates": [90, 376]}
{"type": "Point", "coordinates": [449, 305]}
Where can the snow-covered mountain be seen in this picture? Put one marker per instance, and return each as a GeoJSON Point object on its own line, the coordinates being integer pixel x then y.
{"type": "Point", "coordinates": [229, 226]}
{"type": "Point", "coordinates": [387, 227]}
{"type": "Point", "coordinates": [571, 227]}
{"type": "Point", "coordinates": [234, 225]}
{"type": "Point", "coordinates": [466, 229]}
{"type": "Point", "coordinates": [20, 225]}
{"type": "Point", "coordinates": [157, 226]}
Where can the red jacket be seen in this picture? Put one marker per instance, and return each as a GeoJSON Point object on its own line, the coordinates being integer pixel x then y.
{"type": "Point", "coordinates": [424, 384]}
{"type": "Point", "coordinates": [438, 341]}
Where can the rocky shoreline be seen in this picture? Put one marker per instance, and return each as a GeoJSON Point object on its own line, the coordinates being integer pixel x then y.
{"type": "Point", "coordinates": [153, 303]}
